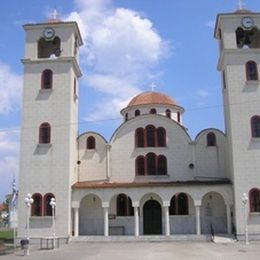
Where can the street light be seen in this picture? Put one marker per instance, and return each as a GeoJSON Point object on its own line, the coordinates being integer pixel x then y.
{"type": "Point", "coordinates": [53, 205]}
{"type": "Point", "coordinates": [245, 200]}
{"type": "Point", "coordinates": [28, 202]}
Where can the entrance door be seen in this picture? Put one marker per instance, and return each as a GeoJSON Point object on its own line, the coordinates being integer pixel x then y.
{"type": "Point", "coordinates": [152, 218]}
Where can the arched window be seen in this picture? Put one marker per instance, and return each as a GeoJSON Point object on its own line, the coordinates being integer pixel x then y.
{"type": "Point", "coordinates": [183, 206]}
{"type": "Point", "coordinates": [211, 139]}
{"type": "Point", "coordinates": [137, 112]}
{"type": "Point", "coordinates": [48, 48]}
{"type": "Point", "coordinates": [91, 142]}
{"type": "Point", "coordinates": [47, 206]}
{"type": "Point", "coordinates": [139, 137]}
{"type": "Point", "coordinates": [255, 126]}
{"type": "Point", "coordinates": [161, 137]}
{"type": "Point", "coordinates": [124, 205]}
{"type": "Point", "coordinates": [162, 165]}
{"type": "Point", "coordinates": [173, 208]}
{"type": "Point", "coordinates": [36, 209]}
{"type": "Point", "coordinates": [47, 79]}
{"type": "Point", "coordinates": [168, 113]}
{"type": "Point", "coordinates": [251, 71]}
{"type": "Point", "coordinates": [140, 165]}
{"type": "Point", "coordinates": [45, 133]}
{"type": "Point", "coordinates": [150, 136]}
{"type": "Point", "coordinates": [179, 204]}
{"type": "Point", "coordinates": [153, 111]}
{"type": "Point", "coordinates": [151, 164]}
{"type": "Point", "coordinates": [254, 200]}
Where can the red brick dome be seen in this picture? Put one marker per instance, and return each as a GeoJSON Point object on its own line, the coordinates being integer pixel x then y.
{"type": "Point", "coordinates": [151, 97]}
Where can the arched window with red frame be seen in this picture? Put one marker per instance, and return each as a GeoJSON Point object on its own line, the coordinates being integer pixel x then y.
{"type": "Point", "coordinates": [168, 113]}
{"type": "Point", "coordinates": [139, 137]}
{"type": "Point", "coordinates": [45, 133]}
{"type": "Point", "coordinates": [211, 139]}
{"type": "Point", "coordinates": [47, 206]}
{"type": "Point", "coordinates": [251, 71]}
{"type": "Point", "coordinates": [255, 126]}
{"type": "Point", "coordinates": [47, 79]}
{"type": "Point", "coordinates": [36, 209]}
{"type": "Point", "coordinates": [91, 142]}
{"type": "Point", "coordinates": [254, 200]}
{"type": "Point", "coordinates": [161, 137]}
{"type": "Point", "coordinates": [161, 165]}
{"type": "Point", "coordinates": [140, 166]}
{"type": "Point", "coordinates": [151, 164]}
{"type": "Point", "coordinates": [150, 135]}
{"type": "Point", "coordinates": [137, 112]}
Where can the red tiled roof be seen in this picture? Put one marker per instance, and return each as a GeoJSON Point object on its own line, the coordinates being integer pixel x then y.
{"type": "Point", "coordinates": [151, 98]}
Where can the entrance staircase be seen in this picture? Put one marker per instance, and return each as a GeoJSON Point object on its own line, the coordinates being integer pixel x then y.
{"type": "Point", "coordinates": [145, 238]}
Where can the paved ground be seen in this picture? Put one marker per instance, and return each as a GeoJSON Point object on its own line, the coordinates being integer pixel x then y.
{"type": "Point", "coordinates": [145, 250]}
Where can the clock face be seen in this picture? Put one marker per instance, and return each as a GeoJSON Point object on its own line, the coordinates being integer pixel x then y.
{"type": "Point", "coordinates": [48, 33]}
{"type": "Point", "coordinates": [247, 22]}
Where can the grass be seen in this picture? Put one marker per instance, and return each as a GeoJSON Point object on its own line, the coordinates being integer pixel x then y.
{"type": "Point", "coordinates": [6, 236]}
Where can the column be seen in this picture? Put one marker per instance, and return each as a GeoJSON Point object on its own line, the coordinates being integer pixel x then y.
{"type": "Point", "coordinates": [198, 226]}
{"type": "Point", "coordinates": [167, 220]}
{"type": "Point", "coordinates": [106, 222]}
{"type": "Point", "coordinates": [229, 223]}
{"type": "Point", "coordinates": [136, 221]}
{"type": "Point", "coordinates": [76, 222]}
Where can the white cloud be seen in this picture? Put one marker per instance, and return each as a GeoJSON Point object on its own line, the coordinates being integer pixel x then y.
{"type": "Point", "coordinates": [202, 93]}
{"type": "Point", "coordinates": [10, 89]}
{"type": "Point", "coordinates": [121, 49]}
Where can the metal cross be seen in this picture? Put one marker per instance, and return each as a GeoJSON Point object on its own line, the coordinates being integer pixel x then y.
{"type": "Point", "coordinates": [55, 14]}
{"type": "Point", "coordinates": [153, 86]}
{"type": "Point", "coordinates": [240, 4]}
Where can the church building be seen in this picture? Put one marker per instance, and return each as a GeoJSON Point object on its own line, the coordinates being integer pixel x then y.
{"type": "Point", "coordinates": [150, 178]}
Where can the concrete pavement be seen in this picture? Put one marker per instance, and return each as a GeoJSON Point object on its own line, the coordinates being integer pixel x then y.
{"type": "Point", "coordinates": [144, 250]}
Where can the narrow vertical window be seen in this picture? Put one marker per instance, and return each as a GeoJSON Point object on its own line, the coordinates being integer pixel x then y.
{"type": "Point", "coordinates": [211, 139]}
{"type": "Point", "coordinates": [162, 165]}
{"type": "Point", "coordinates": [75, 87]}
{"type": "Point", "coordinates": [251, 71]}
{"type": "Point", "coordinates": [255, 126]}
{"type": "Point", "coordinates": [168, 113]}
{"type": "Point", "coordinates": [47, 206]}
{"type": "Point", "coordinates": [254, 200]}
{"type": "Point", "coordinates": [161, 137]}
{"type": "Point", "coordinates": [91, 142]}
{"type": "Point", "coordinates": [139, 137]}
{"type": "Point", "coordinates": [46, 79]}
{"type": "Point", "coordinates": [150, 136]}
{"type": "Point", "coordinates": [140, 165]}
{"type": "Point", "coordinates": [36, 209]}
{"type": "Point", "coordinates": [126, 116]}
{"type": "Point", "coordinates": [137, 112]}
{"type": "Point", "coordinates": [178, 117]}
{"type": "Point", "coordinates": [45, 133]}
{"type": "Point", "coordinates": [151, 164]}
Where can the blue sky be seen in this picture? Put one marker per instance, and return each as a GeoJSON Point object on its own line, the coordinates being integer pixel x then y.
{"type": "Point", "coordinates": [129, 45]}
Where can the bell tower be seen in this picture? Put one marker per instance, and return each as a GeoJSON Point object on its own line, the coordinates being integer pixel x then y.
{"type": "Point", "coordinates": [238, 34]}
{"type": "Point", "coordinates": [49, 125]}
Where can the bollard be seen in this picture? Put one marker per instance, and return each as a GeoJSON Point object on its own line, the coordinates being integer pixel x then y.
{"type": "Point", "coordinates": [25, 246]}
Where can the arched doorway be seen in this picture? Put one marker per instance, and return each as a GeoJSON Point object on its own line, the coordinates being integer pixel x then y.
{"type": "Point", "coordinates": [152, 218]}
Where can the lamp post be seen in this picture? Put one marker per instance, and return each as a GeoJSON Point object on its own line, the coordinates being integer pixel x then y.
{"type": "Point", "coordinates": [28, 202]}
{"type": "Point", "coordinates": [53, 205]}
{"type": "Point", "coordinates": [245, 200]}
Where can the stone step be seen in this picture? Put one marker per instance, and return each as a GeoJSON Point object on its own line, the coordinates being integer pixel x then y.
{"type": "Point", "coordinates": [222, 239]}
{"type": "Point", "coordinates": [141, 238]}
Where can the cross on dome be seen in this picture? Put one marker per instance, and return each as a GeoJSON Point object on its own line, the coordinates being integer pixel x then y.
{"type": "Point", "coordinates": [55, 14]}
{"type": "Point", "coordinates": [240, 4]}
{"type": "Point", "coordinates": [153, 86]}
